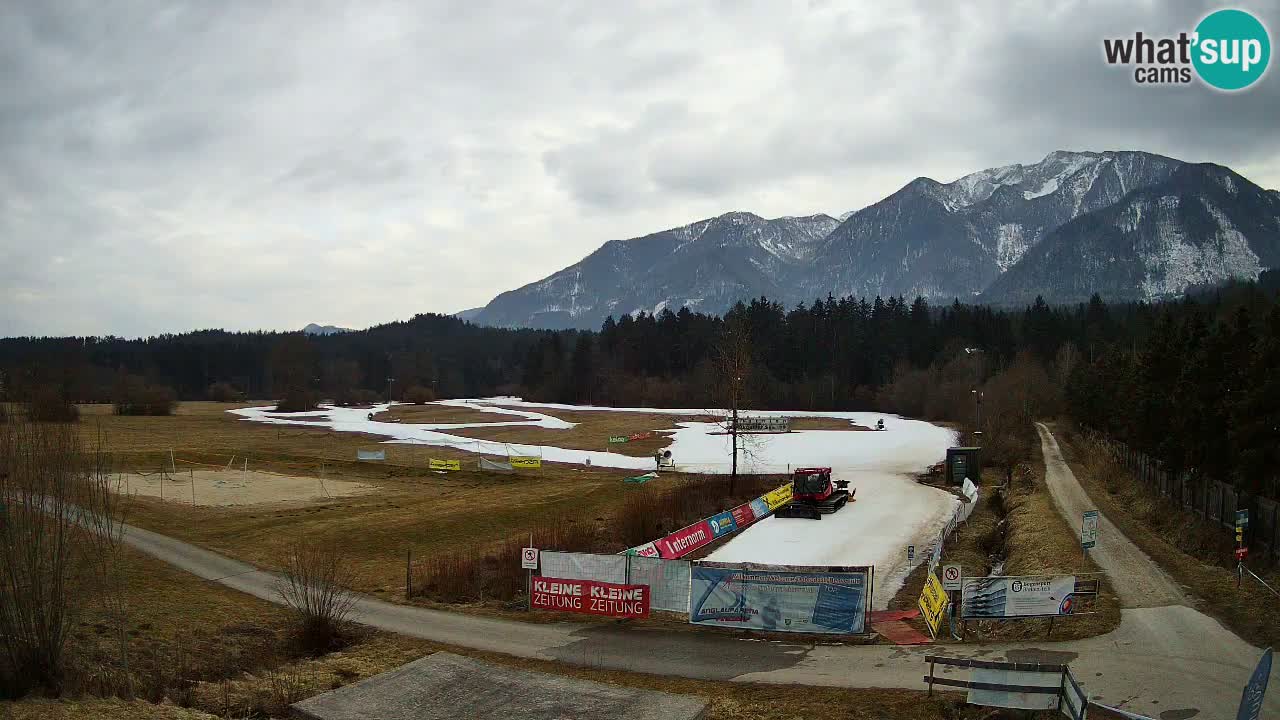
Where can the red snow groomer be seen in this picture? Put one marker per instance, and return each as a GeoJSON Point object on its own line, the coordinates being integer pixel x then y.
{"type": "Point", "coordinates": [814, 493]}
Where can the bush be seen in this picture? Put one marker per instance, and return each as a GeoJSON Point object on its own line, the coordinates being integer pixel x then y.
{"type": "Point", "coordinates": [419, 395]}
{"type": "Point", "coordinates": [134, 396]}
{"type": "Point", "coordinates": [314, 584]}
{"type": "Point", "coordinates": [299, 400]}
{"type": "Point", "coordinates": [223, 392]}
{"type": "Point", "coordinates": [356, 396]}
{"type": "Point", "coordinates": [50, 405]}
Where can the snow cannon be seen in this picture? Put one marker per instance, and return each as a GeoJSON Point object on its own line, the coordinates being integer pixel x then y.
{"type": "Point", "coordinates": [814, 493]}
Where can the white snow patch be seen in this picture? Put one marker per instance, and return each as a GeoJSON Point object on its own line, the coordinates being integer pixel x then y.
{"type": "Point", "coordinates": [1049, 186]}
{"type": "Point", "coordinates": [1011, 245]}
{"type": "Point", "coordinates": [890, 512]}
{"type": "Point", "coordinates": [1175, 263]}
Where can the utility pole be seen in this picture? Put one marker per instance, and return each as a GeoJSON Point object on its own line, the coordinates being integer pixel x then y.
{"type": "Point", "coordinates": [389, 381]}
{"type": "Point", "coordinates": [733, 434]}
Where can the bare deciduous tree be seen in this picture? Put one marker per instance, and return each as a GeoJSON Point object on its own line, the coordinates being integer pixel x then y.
{"type": "Point", "coordinates": [733, 372]}
{"type": "Point", "coordinates": [314, 584]}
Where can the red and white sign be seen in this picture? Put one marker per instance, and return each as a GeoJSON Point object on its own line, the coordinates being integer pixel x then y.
{"type": "Point", "coordinates": [590, 597]}
{"type": "Point", "coordinates": [648, 550]}
{"type": "Point", "coordinates": [743, 515]}
{"type": "Point", "coordinates": [529, 558]}
{"type": "Point", "coordinates": [684, 541]}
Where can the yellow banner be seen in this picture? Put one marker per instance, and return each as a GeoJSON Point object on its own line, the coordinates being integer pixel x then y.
{"type": "Point", "coordinates": [518, 461]}
{"type": "Point", "coordinates": [933, 603]}
{"type": "Point", "coordinates": [777, 498]}
{"type": "Point", "coordinates": [435, 464]}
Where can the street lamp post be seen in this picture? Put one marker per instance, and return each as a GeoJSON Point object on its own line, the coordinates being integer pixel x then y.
{"type": "Point", "coordinates": [977, 412]}
{"type": "Point", "coordinates": [389, 381]}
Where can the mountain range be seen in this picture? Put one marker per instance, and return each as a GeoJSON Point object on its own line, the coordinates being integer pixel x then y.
{"type": "Point", "coordinates": [1126, 225]}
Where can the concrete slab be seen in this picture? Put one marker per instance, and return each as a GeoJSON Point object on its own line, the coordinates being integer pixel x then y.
{"type": "Point", "coordinates": [446, 686]}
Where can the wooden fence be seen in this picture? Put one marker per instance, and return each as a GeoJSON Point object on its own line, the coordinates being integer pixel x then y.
{"type": "Point", "coordinates": [1212, 500]}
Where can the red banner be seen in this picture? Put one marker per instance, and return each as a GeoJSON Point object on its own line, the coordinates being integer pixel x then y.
{"type": "Point", "coordinates": [590, 597]}
{"type": "Point", "coordinates": [743, 515]}
{"type": "Point", "coordinates": [684, 541]}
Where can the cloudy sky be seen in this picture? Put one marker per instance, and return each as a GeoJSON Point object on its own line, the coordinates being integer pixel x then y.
{"type": "Point", "coordinates": [167, 166]}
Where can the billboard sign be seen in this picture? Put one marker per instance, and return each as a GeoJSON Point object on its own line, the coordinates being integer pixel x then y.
{"type": "Point", "coordinates": [743, 515]}
{"type": "Point", "coordinates": [686, 540]}
{"type": "Point", "coordinates": [525, 461]}
{"type": "Point", "coordinates": [648, 550]}
{"type": "Point", "coordinates": [435, 464]}
{"type": "Point", "coordinates": [722, 524]}
{"type": "Point", "coordinates": [778, 497]}
{"type": "Point", "coordinates": [590, 597]}
{"type": "Point", "coordinates": [830, 600]}
{"type": "Point", "coordinates": [1014, 597]}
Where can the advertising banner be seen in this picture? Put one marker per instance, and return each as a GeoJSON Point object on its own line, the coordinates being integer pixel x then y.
{"type": "Point", "coordinates": [743, 515]}
{"type": "Point", "coordinates": [435, 464]}
{"type": "Point", "coordinates": [371, 454]}
{"type": "Point", "coordinates": [648, 550]}
{"type": "Point", "coordinates": [1014, 597]}
{"type": "Point", "coordinates": [932, 603]}
{"type": "Point", "coordinates": [523, 461]}
{"type": "Point", "coordinates": [811, 600]}
{"type": "Point", "coordinates": [640, 436]}
{"type": "Point", "coordinates": [616, 439]}
{"type": "Point", "coordinates": [1254, 693]}
{"type": "Point", "coordinates": [722, 524]}
{"type": "Point", "coordinates": [685, 540]}
{"type": "Point", "coordinates": [777, 498]}
{"type": "Point", "coordinates": [590, 597]}
{"type": "Point", "coordinates": [759, 508]}
{"type": "Point", "coordinates": [1011, 698]}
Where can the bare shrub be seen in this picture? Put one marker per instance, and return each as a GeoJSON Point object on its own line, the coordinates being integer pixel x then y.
{"type": "Point", "coordinates": [58, 515]}
{"type": "Point", "coordinates": [223, 392]}
{"type": "Point", "coordinates": [314, 584]}
{"type": "Point", "coordinates": [49, 404]}
{"type": "Point", "coordinates": [419, 395]}
{"type": "Point", "coordinates": [133, 395]}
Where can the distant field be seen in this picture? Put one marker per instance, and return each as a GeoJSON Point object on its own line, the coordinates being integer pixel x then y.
{"type": "Point", "coordinates": [591, 432]}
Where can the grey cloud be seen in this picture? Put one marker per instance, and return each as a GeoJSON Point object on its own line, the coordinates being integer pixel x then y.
{"type": "Point", "coordinates": [192, 164]}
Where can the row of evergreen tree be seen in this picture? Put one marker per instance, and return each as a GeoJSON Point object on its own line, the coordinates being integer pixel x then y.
{"type": "Point", "coordinates": [1189, 382]}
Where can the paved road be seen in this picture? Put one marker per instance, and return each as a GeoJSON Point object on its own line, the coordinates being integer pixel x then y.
{"type": "Point", "coordinates": [1168, 660]}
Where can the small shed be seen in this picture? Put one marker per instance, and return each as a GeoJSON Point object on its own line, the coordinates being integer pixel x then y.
{"type": "Point", "coordinates": [964, 462]}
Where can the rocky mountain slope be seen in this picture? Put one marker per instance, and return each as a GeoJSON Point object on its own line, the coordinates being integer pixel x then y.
{"type": "Point", "coordinates": [984, 235]}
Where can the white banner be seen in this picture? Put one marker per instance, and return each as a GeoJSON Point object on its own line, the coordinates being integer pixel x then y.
{"type": "Point", "coordinates": [1010, 699]}
{"type": "Point", "coordinates": [1012, 597]}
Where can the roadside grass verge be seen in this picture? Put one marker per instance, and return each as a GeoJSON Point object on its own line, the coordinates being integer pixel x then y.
{"type": "Point", "coordinates": [1195, 553]}
{"type": "Point", "coordinates": [1017, 531]}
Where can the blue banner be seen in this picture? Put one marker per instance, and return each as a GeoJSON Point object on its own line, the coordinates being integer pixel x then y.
{"type": "Point", "coordinates": [760, 508]}
{"type": "Point", "coordinates": [723, 524]}
{"type": "Point", "coordinates": [1256, 690]}
{"type": "Point", "coordinates": [833, 600]}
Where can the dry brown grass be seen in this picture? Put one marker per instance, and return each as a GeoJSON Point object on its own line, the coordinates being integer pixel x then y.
{"type": "Point", "coordinates": [432, 413]}
{"type": "Point", "coordinates": [591, 432]}
{"type": "Point", "coordinates": [1024, 527]}
{"type": "Point", "coordinates": [821, 423]}
{"type": "Point", "coordinates": [1189, 549]}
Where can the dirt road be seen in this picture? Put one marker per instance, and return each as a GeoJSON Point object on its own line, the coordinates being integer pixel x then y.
{"type": "Point", "coordinates": [1134, 576]}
